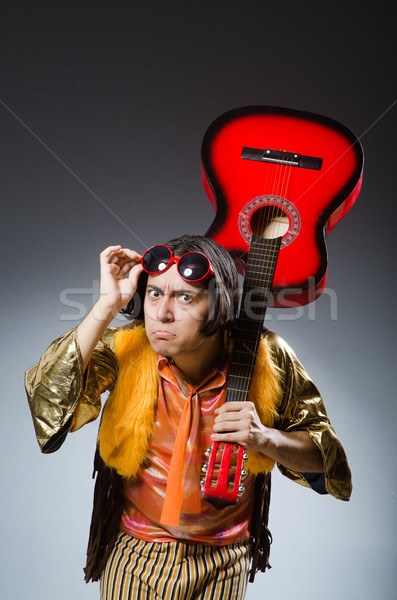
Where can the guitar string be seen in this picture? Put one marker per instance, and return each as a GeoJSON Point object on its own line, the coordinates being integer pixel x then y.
{"type": "Point", "coordinates": [281, 181]}
{"type": "Point", "coordinates": [265, 219]}
{"type": "Point", "coordinates": [265, 216]}
{"type": "Point", "coordinates": [244, 368]}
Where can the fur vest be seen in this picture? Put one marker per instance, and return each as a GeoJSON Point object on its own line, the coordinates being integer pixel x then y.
{"type": "Point", "coordinates": [128, 416]}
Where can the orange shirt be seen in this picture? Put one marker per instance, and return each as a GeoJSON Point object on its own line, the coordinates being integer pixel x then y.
{"type": "Point", "coordinates": [199, 521]}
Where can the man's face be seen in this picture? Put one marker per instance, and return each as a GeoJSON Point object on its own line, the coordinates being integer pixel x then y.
{"type": "Point", "coordinates": [175, 312]}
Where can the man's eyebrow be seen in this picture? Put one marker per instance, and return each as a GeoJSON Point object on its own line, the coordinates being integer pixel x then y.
{"type": "Point", "coordinates": [187, 292]}
{"type": "Point", "coordinates": [181, 292]}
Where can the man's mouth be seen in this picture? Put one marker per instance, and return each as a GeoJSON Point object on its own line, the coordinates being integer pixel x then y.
{"type": "Point", "coordinates": [163, 335]}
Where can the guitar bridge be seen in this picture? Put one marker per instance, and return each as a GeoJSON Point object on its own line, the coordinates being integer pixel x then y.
{"type": "Point", "coordinates": [279, 157]}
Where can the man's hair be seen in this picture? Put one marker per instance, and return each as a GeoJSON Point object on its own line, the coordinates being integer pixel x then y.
{"type": "Point", "coordinates": [223, 287]}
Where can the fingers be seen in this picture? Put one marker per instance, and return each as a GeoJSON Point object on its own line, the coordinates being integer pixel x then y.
{"type": "Point", "coordinates": [119, 261]}
{"type": "Point", "coordinates": [236, 422]}
{"type": "Point", "coordinates": [239, 435]}
{"type": "Point", "coordinates": [234, 437]}
{"type": "Point", "coordinates": [234, 416]}
{"type": "Point", "coordinates": [233, 423]}
{"type": "Point", "coordinates": [117, 254]}
{"type": "Point", "coordinates": [234, 410]}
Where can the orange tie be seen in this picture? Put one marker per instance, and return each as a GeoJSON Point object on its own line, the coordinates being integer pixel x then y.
{"type": "Point", "coordinates": [173, 495]}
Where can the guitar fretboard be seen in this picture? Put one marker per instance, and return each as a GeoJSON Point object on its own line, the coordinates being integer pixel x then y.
{"type": "Point", "coordinates": [258, 281]}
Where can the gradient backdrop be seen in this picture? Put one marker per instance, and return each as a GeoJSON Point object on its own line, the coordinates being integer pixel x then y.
{"type": "Point", "coordinates": [103, 109]}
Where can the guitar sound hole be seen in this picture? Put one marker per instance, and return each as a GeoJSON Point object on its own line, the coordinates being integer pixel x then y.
{"type": "Point", "coordinates": [269, 221]}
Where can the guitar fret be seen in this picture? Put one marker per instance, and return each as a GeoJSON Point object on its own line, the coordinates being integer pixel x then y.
{"type": "Point", "coordinates": [244, 321]}
{"type": "Point", "coordinates": [248, 341]}
{"type": "Point", "coordinates": [250, 346]}
{"type": "Point", "coordinates": [260, 251]}
{"type": "Point", "coordinates": [238, 391]}
{"type": "Point", "coordinates": [232, 399]}
{"type": "Point", "coordinates": [245, 364]}
{"type": "Point", "coordinates": [258, 276]}
{"type": "Point", "coordinates": [242, 364]}
{"type": "Point", "coordinates": [241, 351]}
{"type": "Point", "coordinates": [248, 333]}
{"type": "Point", "coordinates": [263, 255]}
{"type": "Point", "coordinates": [259, 269]}
{"type": "Point", "coordinates": [243, 357]}
{"type": "Point", "coordinates": [238, 369]}
{"type": "Point", "coordinates": [237, 376]}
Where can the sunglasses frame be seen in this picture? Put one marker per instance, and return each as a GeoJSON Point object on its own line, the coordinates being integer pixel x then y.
{"type": "Point", "coordinates": [176, 260]}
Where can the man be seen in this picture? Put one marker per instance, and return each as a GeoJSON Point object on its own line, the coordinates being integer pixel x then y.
{"type": "Point", "coordinates": [151, 533]}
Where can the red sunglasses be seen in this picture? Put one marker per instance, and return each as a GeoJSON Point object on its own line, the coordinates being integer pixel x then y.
{"type": "Point", "coordinates": [192, 266]}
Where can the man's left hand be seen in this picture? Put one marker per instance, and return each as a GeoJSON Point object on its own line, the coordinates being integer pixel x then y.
{"type": "Point", "coordinates": [239, 422]}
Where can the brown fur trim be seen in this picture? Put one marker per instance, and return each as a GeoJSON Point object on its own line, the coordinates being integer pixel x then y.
{"type": "Point", "coordinates": [261, 538]}
{"type": "Point", "coordinates": [105, 521]}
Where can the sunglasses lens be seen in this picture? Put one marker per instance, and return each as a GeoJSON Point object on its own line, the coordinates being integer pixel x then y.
{"type": "Point", "coordinates": [193, 266]}
{"type": "Point", "coordinates": [156, 259]}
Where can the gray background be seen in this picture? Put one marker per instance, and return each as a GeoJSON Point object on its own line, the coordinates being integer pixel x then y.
{"type": "Point", "coordinates": [103, 109]}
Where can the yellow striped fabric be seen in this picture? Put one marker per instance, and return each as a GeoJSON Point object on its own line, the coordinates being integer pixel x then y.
{"type": "Point", "coordinates": [174, 571]}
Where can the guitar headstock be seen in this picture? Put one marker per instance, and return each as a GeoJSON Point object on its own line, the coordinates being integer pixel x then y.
{"type": "Point", "coordinates": [224, 471]}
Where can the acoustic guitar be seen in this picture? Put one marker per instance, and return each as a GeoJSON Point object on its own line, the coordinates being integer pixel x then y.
{"type": "Point", "coordinates": [279, 181]}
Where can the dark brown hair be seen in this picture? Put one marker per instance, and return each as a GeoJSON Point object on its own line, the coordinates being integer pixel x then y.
{"type": "Point", "coordinates": [223, 287]}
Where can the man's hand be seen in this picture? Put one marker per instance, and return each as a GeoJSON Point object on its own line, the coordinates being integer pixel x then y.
{"type": "Point", "coordinates": [239, 422]}
{"type": "Point", "coordinates": [120, 270]}
{"type": "Point", "coordinates": [116, 290]}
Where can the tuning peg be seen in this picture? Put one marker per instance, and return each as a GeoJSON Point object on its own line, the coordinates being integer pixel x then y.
{"type": "Point", "coordinates": [245, 455]}
{"type": "Point", "coordinates": [243, 473]}
{"type": "Point", "coordinates": [241, 490]}
{"type": "Point", "coordinates": [208, 451]}
{"type": "Point", "coordinates": [204, 468]}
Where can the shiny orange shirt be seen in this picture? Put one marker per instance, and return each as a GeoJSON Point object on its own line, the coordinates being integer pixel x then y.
{"type": "Point", "coordinates": [144, 495]}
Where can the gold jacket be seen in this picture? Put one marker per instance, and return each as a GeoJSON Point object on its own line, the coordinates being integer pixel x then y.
{"type": "Point", "coordinates": [63, 399]}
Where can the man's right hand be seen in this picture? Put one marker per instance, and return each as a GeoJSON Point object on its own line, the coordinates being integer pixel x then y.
{"type": "Point", "coordinates": [120, 270]}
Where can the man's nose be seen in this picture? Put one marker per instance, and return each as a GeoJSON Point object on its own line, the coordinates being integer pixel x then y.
{"type": "Point", "coordinates": [165, 310]}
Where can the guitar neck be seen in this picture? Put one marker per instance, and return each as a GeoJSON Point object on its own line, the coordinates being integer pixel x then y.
{"type": "Point", "coordinates": [258, 281]}
{"type": "Point", "coordinates": [222, 488]}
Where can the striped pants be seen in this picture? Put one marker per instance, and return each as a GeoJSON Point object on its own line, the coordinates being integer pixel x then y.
{"type": "Point", "coordinates": [139, 570]}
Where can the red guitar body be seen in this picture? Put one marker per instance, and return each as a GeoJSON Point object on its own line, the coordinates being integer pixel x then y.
{"type": "Point", "coordinates": [308, 167]}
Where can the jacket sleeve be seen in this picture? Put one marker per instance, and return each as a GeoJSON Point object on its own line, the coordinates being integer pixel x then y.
{"type": "Point", "coordinates": [301, 408]}
{"type": "Point", "coordinates": [61, 397]}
